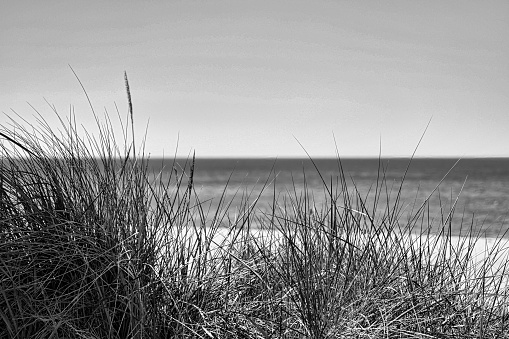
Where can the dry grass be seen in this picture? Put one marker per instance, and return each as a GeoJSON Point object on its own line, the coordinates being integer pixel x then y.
{"type": "Point", "coordinates": [94, 245]}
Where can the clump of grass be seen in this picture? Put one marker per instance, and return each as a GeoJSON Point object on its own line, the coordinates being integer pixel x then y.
{"type": "Point", "coordinates": [93, 244]}
{"type": "Point", "coordinates": [347, 271]}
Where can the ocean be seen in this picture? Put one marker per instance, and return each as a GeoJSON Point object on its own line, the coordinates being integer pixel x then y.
{"type": "Point", "coordinates": [477, 188]}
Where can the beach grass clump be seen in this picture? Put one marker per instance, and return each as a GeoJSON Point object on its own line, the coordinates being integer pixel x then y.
{"type": "Point", "coordinates": [76, 251]}
{"type": "Point", "coordinates": [349, 274]}
{"type": "Point", "coordinates": [94, 243]}
{"type": "Point", "coordinates": [91, 246]}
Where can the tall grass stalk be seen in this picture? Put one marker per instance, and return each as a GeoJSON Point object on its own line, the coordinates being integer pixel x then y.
{"type": "Point", "coordinates": [94, 244]}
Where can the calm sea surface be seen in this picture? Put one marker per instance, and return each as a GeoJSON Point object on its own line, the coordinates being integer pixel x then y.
{"type": "Point", "coordinates": [479, 188]}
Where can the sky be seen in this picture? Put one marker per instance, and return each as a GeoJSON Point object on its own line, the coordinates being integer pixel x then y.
{"type": "Point", "coordinates": [261, 78]}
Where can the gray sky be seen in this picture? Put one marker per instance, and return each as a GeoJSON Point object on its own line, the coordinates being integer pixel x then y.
{"type": "Point", "coordinates": [242, 78]}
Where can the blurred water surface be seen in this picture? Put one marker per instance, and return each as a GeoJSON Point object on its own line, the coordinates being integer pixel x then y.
{"type": "Point", "coordinates": [478, 188]}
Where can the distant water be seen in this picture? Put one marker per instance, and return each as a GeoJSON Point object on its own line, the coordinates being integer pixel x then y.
{"type": "Point", "coordinates": [480, 187]}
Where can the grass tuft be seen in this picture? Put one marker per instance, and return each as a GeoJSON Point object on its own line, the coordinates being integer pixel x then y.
{"type": "Point", "coordinates": [94, 244]}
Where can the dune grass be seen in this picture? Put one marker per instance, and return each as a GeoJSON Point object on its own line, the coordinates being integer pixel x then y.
{"type": "Point", "coordinates": [95, 245]}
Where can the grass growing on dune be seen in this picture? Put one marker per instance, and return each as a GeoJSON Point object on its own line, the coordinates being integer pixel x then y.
{"type": "Point", "coordinates": [95, 245]}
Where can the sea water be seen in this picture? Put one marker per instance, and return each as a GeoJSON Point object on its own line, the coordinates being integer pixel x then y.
{"type": "Point", "coordinates": [469, 194]}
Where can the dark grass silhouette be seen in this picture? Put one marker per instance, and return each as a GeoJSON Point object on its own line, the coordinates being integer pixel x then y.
{"type": "Point", "coordinates": [94, 245]}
